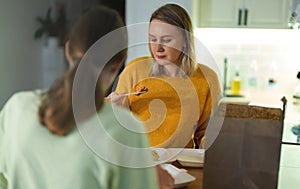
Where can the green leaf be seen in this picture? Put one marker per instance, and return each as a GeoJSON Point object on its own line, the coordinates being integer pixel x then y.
{"type": "Point", "coordinates": [48, 16]}
{"type": "Point", "coordinates": [40, 20]}
{"type": "Point", "coordinates": [39, 33]}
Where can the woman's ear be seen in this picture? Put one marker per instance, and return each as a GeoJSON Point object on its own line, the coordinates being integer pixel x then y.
{"type": "Point", "coordinates": [68, 55]}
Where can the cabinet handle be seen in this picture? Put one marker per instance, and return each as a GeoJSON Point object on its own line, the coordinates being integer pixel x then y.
{"type": "Point", "coordinates": [246, 17]}
{"type": "Point", "coordinates": [240, 17]}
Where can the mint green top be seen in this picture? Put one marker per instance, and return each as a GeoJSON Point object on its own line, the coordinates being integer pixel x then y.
{"type": "Point", "coordinates": [33, 158]}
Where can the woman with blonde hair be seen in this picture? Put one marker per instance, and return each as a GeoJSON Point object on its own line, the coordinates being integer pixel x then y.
{"type": "Point", "coordinates": [177, 94]}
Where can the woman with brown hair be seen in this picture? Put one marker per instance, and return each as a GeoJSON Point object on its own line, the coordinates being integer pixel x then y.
{"type": "Point", "coordinates": [179, 93]}
{"type": "Point", "coordinates": [40, 146]}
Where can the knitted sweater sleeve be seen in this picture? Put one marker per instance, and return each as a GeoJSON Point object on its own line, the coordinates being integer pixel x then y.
{"type": "Point", "coordinates": [135, 70]}
{"type": "Point", "coordinates": [212, 98]}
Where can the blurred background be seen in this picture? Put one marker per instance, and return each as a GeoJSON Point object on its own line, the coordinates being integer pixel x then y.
{"type": "Point", "coordinates": [28, 61]}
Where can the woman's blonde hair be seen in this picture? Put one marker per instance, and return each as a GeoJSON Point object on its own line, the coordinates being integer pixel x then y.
{"type": "Point", "coordinates": [176, 15]}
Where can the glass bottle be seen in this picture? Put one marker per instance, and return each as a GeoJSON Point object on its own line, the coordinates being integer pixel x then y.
{"type": "Point", "coordinates": [236, 84]}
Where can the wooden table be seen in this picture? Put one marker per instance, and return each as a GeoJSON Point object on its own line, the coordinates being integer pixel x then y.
{"type": "Point", "coordinates": [196, 172]}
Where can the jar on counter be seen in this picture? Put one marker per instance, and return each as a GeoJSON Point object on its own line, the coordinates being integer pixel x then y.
{"type": "Point", "coordinates": [252, 77]}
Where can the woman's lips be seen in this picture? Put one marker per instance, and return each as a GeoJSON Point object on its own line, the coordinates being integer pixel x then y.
{"type": "Point", "coordinates": [160, 57]}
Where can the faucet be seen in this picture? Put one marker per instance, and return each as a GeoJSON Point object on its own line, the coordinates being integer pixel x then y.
{"type": "Point", "coordinates": [225, 78]}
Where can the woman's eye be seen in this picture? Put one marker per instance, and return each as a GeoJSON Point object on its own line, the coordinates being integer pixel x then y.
{"type": "Point", "coordinates": [166, 40]}
{"type": "Point", "coordinates": [153, 40]}
{"type": "Point", "coordinates": [162, 41]}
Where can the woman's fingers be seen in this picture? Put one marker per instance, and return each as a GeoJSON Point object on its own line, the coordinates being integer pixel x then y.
{"type": "Point", "coordinates": [114, 98]}
{"type": "Point", "coordinates": [166, 181]}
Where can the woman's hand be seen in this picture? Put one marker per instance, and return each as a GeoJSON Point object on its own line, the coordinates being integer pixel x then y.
{"type": "Point", "coordinates": [115, 98]}
{"type": "Point", "coordinates": [166, 181]}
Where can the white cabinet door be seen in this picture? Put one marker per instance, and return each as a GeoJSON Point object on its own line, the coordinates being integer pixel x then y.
{"type": "Point", "coordinates": [217, 13]}
{"type": "Point", "coordinates": [267, 13]}
{"type": "Point", "coordinates": [241, 13]}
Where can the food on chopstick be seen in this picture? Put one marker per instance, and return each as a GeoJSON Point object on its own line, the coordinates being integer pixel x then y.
{"type": "Point", "coordinates": [140, 89]}
{"type": "Point", "coordinates": [155, 155]}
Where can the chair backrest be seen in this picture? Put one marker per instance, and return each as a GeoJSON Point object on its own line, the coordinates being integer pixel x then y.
{"type": "Point", "coordinates": [243, 145]}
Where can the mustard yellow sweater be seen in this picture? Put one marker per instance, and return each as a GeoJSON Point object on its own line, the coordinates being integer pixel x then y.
{"type": "Point", "coordinates": [174, 110]}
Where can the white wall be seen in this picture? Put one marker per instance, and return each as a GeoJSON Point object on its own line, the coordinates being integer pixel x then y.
{"type": "Point", "coordinates": [20, 54]}
{"type": "Point", "coordinates": [276, 53]}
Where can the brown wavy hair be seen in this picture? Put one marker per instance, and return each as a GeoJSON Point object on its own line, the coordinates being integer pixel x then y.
{"type": "Point", "coordinates": [55, 110]}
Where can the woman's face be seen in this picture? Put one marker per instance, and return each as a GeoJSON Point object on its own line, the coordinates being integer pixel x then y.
{"type": "Point", "coordinates": [166, 42]}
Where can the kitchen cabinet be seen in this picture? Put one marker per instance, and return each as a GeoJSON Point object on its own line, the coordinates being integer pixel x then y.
{"type": "Point", "coordinates": [241, 13]}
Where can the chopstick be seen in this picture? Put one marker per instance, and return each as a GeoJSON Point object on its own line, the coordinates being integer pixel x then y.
{"type": "Point", "coordinates": [128, 94]}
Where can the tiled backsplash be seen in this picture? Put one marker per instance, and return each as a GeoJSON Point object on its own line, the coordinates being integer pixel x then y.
{"type": "Point", "coordinates": [263, 54]}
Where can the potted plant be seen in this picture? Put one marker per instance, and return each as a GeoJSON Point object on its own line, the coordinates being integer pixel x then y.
{"type": "Point", "coordinates": [53, 29]}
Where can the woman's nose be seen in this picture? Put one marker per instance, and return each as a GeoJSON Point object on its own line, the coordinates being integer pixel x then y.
{"type": "Point", "coordinates": [160, 48]}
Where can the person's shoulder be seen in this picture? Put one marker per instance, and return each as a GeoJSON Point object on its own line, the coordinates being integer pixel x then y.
{"type": "Point", "coordinates": [140, 59]}
{"type": "Point", "coordinates": [18, 102]}
{"type": "Point", "coordinates": [138, 67]}
{"type": "Point", "coordinates": [206, 71]}
{"type": "Point", "coordinates": [205, 68]}
{"type": "Point", "coordinates": [27, 94]}
{"type": "Point", "coordinates": [140, 62]}
{"type": "Point", "coordinates": [23, 97]}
